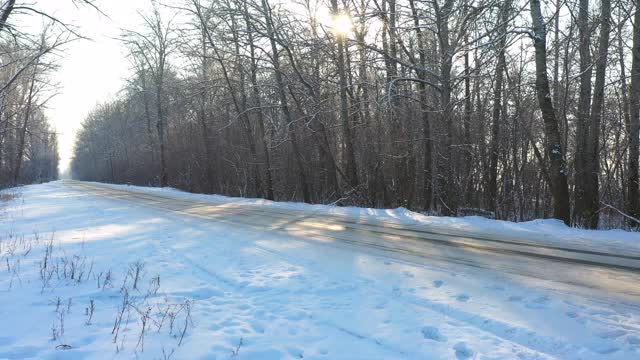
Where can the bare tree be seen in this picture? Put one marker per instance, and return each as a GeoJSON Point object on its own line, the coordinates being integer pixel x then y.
{"type": "Point", "coordinates": [555, 151]}
{"type": "Point", "coordinates": [154, 49]}
{"type": "Point", "coordinates": [633, 182]}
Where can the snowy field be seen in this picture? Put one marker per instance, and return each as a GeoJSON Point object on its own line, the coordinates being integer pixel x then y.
{"type": "Point", "coordinates": [83, 277]}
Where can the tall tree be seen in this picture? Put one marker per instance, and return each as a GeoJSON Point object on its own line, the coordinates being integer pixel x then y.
{"type": "Point", "coordinates": [154, 49]}
{"type": "Point", "coordinates": [633, 177]}
{"type": "Point", "coordinates": [449, 195]}
{"type": "Point", "coordinates": [554, 149]}
{"type": "Point", "coordinates": [582, 158]}
{"type": "Point", "coordinates": [425, 108]}
{"type": "Point", "coordinates": [349, 151]}
{"type": "Point", "coordinates": [503, 23]}
{"type": "Point", "coordinates": [592, 161]}
{"type": "Point", "coordinates": [258, 103]}
{"type": "Point", "coordinates": [282, 93]}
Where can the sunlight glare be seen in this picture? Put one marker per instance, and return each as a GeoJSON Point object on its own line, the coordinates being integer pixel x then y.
{"type": "Point", "coordinates": [342, 25]}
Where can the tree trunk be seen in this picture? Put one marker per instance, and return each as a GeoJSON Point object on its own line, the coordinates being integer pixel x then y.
{"type": "Point", "coordinates": [8, 8]}
{"type": "Point", "coordinates": [592, 203]}
{"type": "Point", "coordinates": [581, 164]}
{"type": "Point", "coordinates": [258, 104]}
{"type": "Point", "coordinates": [556, 58]}
{"type": "Point", "coordinates": [164, 178]}
{"type": "Point", "coordinates": [633, 190]}
{"type": "Point", "coordinates": [555, 152]}
{"type": "Point", "coordinates": [246, 121]}
{"type": "Point", "coordinates": [448, 196]}
{"type": "Point", "coordinates": [427, 192]}
{"type": "Point", "coordinates": [468, 147]}
{"type": "Point", "coordinates": [23, 129]}
{"type": "Point", "coordinates": [497, 107]}
{"type": "Point", "coordinates": [202, 118]}
{"type": "Point", "coordinates": [349, 152]}
{"type": "Point", "coordinates": [284, 103]}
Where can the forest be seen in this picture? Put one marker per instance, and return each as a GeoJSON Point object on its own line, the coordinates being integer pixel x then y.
{"type": "Point", "coordinates": [508, 109]}
{"type": "Point", "coordinates": [28, 142]}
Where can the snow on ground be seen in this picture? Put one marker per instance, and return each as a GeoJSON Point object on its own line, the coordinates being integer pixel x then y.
{"type": "Point", "coordinates": [544, 231]}
{"type": "Point", "coordinates": [68, 264]}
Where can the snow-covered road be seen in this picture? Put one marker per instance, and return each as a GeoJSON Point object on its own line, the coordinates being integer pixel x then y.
{"type": "Point", "coordinates": [284, 294]}
{"type": "Point", "coordinates": [615, 273]}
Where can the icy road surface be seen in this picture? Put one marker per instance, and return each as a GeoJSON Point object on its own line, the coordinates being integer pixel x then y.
{"type": "Point", "coordinates": [213, 288]}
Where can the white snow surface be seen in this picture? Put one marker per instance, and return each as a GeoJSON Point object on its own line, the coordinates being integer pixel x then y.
{"type": "Point", "coordinates": [248, 295]}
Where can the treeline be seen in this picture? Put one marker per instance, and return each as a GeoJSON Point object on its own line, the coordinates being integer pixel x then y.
{"type": "Point", "coordinates": [28, 143]}
{"type": "Point", "coordinates": [511, 109]}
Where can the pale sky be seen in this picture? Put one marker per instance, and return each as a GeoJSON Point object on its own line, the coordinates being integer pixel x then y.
{"type": "Point", "coordinates": [91, 71]}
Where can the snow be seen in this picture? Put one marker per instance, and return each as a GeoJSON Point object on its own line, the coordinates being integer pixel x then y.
{"type": "Point", "coordinates": [248, 295]}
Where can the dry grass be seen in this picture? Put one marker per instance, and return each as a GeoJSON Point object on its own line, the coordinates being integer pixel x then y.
{"type": "Point", "coordinates": [8, 196]}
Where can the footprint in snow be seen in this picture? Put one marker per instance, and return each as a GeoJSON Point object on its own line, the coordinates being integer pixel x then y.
{"type": "Point", "coordinates": [408, 274]}
{"type": "Point", "coordinates": [571, 314]}
{"type": "Point", "coordinates": [542, 299]}
{"type": "Point", "coordinates": [463, 352]}
{"type": "Point", "coordinates": [381, 304]}
{"type": "Point", "coordinates": [438, 283]}
{"type": "Point", "coordinates": [433, 333]}
{"type": "Point", "coordinates": [538, 303]}
{"type": "Point", "coordinates": [295, 352]}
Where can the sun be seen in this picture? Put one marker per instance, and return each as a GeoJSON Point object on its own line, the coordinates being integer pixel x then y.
{"type": "Point", "coordinates": [342, 25]}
